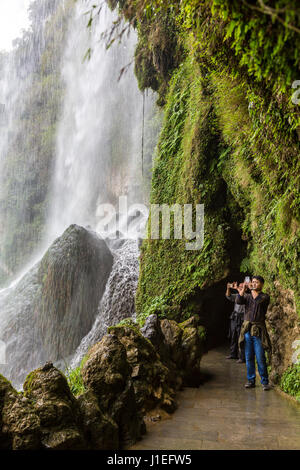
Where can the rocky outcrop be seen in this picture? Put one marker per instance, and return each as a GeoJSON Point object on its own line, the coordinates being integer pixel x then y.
{"type": "Point", "coordinates": [284, 330]}
{"type": "Point", "coordinates": [180, 347]}
{"type": "Point", "coordinates": [150, 377]}
{"type": "Point", "coordinates": [6, 391]}
{"type": "Point", "coordinates": [125, 376]}
{"type": "Point", "coordinates": [100, 431]}
{"type": "Point", "coordinates": [56, 408]}
{"type": "Point", "coordinates": [61, 293]}
{"type": "Point", "coordinates": [107, 373]}
{"type": "Point", "coordinates": [73, 275]}
{"type": "Point", "coordinates": [192, 345]}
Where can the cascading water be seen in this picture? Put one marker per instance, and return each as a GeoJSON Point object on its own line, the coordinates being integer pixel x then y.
{"type": "Point", "coordinates": [99, 135]}
{"type": "Point", "coordinates": [29, 95]}
{"type": "Point", "coordinates": [117, 302]}
{"type": "Point", "coordinates": [99, 154]}
{"type": "Point", "coordinates": [98, 159]}
{"type": "Point", "coordinates": [14, 83]}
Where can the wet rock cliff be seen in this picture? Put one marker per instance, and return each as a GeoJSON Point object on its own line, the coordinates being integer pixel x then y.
{"type": "Point", "coordinates": [46, 314]}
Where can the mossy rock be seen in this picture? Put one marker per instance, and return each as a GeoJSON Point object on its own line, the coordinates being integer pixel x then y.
{"type": "Point", "coordinates": [107, 373]}
{"type": "Point", "coordinates": [150, 376]}
{"type": "Point", "coordinates": [56, 408]}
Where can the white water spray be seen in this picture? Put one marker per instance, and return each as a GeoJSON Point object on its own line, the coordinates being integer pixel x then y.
{"type": "Point", "coordinates": [98, 159]}
{"type": "Point", "coordinates": [99, 135]}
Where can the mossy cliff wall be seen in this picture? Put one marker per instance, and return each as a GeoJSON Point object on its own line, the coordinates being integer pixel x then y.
{"type": "Point", "coordinates": [186, 172]}
{"type": "Point", "coordinates": [230, 141]}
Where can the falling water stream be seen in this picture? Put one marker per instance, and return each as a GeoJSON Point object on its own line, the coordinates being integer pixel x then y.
{"type": "Point", "coordinates": [99, 136]}
{"type": "Point", "coordinates": [98, 159]}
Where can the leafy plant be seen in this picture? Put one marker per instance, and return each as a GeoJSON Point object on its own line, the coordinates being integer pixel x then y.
{"type": "Point", "coordinates": [74, 378]}
{"type": "Point", "coordinates": [290, 381]}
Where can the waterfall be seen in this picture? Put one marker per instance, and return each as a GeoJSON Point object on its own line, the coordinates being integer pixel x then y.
{"type": "Point", "coordinates": [117, 302]}
{"type": "Point", "coordinates": [29, 101]}
{"type": "Point", "coordinates": [98, 146]}
{"type": "Point", "coordinates": [98, 153]}
{"type": "Point", "coordinates": [14, 83]}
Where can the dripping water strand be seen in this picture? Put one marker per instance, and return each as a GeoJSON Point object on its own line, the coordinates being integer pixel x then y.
{"type": "Point", "coordinates": [143, 134]}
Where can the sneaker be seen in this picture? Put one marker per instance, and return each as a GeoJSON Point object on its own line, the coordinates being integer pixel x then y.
{"type": "Point", "coordinates": [231, 357]}
{"type": "Point", "coordinates": [240, 361]}
{"type": "Point", "coordinates": [250, 385]}
{"type": "Point", "coordinates": [266, 387]}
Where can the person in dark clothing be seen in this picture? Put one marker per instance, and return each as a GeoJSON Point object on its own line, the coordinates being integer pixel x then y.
{"type": "Point", "coordinates": [254, 332]}
{"type": "Point", "coordinates": [236, 320]}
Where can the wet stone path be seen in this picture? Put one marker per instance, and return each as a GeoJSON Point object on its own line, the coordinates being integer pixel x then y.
{"type": "Point", "coordinates": [222, 414]}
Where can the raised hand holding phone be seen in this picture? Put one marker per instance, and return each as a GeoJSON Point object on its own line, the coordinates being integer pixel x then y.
{"type": "Point", "coordinates": [242, 288]}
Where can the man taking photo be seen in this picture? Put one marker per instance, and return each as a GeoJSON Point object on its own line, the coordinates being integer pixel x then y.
{"type": "Point", "coordinates": [254, 332]}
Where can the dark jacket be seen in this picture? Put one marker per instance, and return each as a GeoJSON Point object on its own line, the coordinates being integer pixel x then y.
{"type": "Point", "coordinates": [255, 309]}
{"type": "Point", "coordinates": [238, 310]}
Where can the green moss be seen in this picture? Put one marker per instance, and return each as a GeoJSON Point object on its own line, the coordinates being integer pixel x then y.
{"type": "Point", "coordinates": [127, 323]}
{"type": "Point", "coordinates": [201, 332]}
{"type": "Point", "coordinates": [27, 387]}
{"type": "Point", "coordinates": [257, 173]}
{"type": "Point", "coordinates": [228, 113]}
{"type": "Point", "coordinates": [187, 171]}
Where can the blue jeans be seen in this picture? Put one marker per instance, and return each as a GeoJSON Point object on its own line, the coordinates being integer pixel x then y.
{"type": "Point", "coordinates": [253, 348]}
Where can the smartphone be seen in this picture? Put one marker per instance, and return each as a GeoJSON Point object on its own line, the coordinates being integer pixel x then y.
{"type": "Point", "coordinates": [247, 279]}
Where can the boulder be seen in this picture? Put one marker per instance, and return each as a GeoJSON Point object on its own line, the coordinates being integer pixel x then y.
{"type": "Point", "coordinates": [152, 331]}
{"type": "Point", "coordinates": [150, 376]}
{"type": "Point", "coordinates": [61, 294]}
{"type": "Point", "coordinates": [7, 394]}
{"type": "Point", "coordinates": [172, 338]}
{"type": "Point", "coordinates": [21, 423]}
{"type": "Point", "coordinates": [192, 351]}
{"type": "Point", "coordinates": [100, 431]}
{"type": "Point", "coordinates": [56, 408]}
{"type": "Point", "coordinates": [73, 275]}
{"type": "Point", "coordinates": [180, 346]}
{"type": "Point", "coordinates": [107, 373]}
{"type": "Point", "coordinates": [124, 377]}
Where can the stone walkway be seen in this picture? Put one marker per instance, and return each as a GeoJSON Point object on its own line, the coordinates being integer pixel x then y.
{"type": "Point", "coordinates": [222, 414]}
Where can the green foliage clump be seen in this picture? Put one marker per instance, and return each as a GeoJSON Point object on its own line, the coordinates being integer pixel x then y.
{"type": "Point", "coordinates": [74, 378]}
{"type": "Point", "coordinates": [202, 333]}
{"type": "Point", "coordinates": [126, 322]}
{"type": "Point", "coordinates": [290, 381]}
{"type": "Point", "coordinates": [28, 382]}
